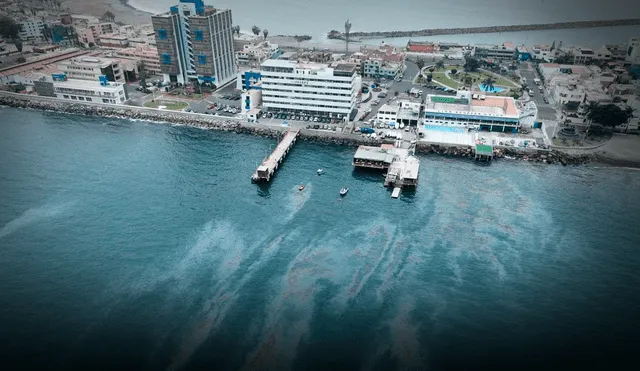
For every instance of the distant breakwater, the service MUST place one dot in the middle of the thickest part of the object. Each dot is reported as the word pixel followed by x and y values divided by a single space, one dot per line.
pixel 208 122
pixel 486 29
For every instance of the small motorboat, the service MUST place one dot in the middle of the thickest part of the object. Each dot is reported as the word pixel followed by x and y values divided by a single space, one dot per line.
pixel 320 171
pixel 344 191
pixel 301 187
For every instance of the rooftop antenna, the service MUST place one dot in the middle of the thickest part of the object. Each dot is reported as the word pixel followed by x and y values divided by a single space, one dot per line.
pixel 347 29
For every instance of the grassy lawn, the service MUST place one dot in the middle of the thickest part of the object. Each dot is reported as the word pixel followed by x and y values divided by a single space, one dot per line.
pixel 169 104
pixel 479 76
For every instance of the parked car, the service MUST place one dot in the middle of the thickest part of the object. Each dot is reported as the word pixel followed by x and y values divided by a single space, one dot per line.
pixel 382 95
pixel 545 100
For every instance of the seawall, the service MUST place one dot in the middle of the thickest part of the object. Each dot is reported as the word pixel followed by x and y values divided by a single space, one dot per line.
pixel 209 122
pixel 487 29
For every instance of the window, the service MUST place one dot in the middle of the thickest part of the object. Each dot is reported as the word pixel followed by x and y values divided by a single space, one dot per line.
pixel 162 34
pixel 105 101
pixel 166 58
pixel 81 98
pixel 74 97
pixel 198 35
pixel 202 59
pixel 65 96
pixel 88 99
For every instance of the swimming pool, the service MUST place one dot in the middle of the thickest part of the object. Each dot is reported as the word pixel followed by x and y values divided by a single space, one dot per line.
pixel 484 88
pixel 445 129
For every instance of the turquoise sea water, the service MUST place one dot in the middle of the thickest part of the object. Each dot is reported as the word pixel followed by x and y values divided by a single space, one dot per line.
pixel 137 246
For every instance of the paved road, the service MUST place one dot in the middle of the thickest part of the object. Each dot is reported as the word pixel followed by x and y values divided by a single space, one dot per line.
pixel 545 111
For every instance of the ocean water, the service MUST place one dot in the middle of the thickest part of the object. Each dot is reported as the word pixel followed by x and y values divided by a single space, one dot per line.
pixel 292 17
pixel 138 246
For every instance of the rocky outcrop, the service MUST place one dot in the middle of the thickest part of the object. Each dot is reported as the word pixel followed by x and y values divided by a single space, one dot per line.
pixel 489 29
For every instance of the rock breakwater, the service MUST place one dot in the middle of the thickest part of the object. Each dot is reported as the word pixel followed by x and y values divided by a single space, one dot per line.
pixel 233 125
pixel 488 29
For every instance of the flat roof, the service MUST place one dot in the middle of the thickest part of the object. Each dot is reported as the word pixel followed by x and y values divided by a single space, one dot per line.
pixel 490 106
pixel 374 154
pixel 86 84
pixel 411 168
pixel 346 67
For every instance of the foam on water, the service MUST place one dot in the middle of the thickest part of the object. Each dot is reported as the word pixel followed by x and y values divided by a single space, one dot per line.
pixel 35 215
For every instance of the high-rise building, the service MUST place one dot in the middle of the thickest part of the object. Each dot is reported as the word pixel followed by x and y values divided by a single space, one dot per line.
pixel 195 41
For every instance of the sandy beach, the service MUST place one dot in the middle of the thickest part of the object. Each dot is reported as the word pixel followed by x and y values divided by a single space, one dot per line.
pixel 123 12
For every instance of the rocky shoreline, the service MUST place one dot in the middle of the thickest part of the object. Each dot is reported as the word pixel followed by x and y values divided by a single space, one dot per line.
pixel 231 125
pixel 489 29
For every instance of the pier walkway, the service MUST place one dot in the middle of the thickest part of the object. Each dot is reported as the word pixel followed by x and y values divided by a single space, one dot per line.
pixel 269 165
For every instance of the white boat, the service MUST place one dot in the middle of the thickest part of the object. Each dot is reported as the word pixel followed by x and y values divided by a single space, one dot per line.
pixel 320 171
pixel 344 191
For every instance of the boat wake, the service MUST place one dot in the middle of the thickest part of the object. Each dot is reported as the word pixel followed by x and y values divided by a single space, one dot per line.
pixel 34 215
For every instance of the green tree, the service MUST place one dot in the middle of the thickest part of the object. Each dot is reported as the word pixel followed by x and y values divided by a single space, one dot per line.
pixel 471 64
pixel 608 115
pixel 454 71
pixel 265 33
pixel 236 30
pixel 429 77
pixel 440 64
pixel 564 59
pixel 255 30
pixel 9 29
pixel 420 62
pixel 108 16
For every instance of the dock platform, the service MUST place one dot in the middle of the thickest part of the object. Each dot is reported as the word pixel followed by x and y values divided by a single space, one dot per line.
pixel 396 192
pixel 270 164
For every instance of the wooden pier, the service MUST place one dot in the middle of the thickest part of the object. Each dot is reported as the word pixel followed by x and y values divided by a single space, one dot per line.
pixel 270 164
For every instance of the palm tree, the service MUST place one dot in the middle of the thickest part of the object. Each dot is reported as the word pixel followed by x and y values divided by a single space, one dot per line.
pixel 255 30
pixel 629 113
pixel 591 111
pixel 420 63
pixel 488 84
pixel 236 30
pixel 265 33
pixel 440 64
pixel 299 39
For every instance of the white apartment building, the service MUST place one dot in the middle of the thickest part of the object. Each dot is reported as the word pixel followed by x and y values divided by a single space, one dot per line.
pixel 376 67
pixel 90 91
pixel 309 88
pixel 633 50
pixel 90 68
pixel 388 113
pixel 31 29
pixel 506 51
pixel 543 52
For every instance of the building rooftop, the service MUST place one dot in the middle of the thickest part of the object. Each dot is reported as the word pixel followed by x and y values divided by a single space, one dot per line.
pixel 374 154
pixel 85 84
pixel 490 106
pixel 345 67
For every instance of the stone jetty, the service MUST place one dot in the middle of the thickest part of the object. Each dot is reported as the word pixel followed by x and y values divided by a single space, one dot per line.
pixel 488 29
pixel 208 122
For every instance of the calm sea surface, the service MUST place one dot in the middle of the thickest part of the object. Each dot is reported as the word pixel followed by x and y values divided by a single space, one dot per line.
pixel 136 246
pixel 316 18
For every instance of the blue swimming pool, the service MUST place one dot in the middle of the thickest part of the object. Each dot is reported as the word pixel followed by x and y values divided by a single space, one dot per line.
pixel 445 129
pixel 495 89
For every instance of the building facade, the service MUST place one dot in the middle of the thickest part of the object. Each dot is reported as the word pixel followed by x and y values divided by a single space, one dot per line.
pixel 309 88
pixel 113 41
pixel 91 68
pixel 467 111
pixel 195 42
pixel 148 56
pixel 502 52
pixel 31 29
pixel 99 91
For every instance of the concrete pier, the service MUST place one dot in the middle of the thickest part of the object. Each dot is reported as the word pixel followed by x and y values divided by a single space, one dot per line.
pixel 269 165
